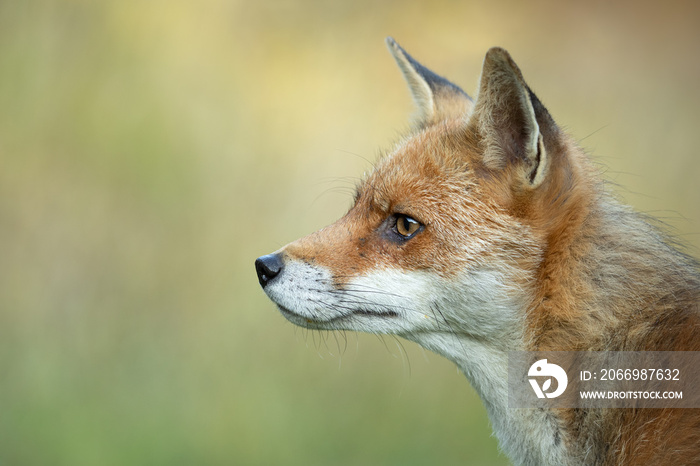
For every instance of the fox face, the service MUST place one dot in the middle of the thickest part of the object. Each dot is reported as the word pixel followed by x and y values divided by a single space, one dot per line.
pixel 419 234
pixel 438 239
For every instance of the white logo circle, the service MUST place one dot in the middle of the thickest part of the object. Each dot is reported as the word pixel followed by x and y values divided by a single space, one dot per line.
pixel 542 368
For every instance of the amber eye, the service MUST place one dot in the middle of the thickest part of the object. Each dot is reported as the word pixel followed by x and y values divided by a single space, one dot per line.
pixel 406 226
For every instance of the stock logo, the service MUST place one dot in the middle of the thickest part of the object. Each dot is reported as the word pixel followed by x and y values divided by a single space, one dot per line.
pixel 542 369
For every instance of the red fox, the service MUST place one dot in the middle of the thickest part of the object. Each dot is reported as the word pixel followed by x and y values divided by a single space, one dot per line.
pixel 487 230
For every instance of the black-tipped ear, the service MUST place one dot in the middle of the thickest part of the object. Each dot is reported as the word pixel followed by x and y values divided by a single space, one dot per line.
pixel 508 115
pixel 436 97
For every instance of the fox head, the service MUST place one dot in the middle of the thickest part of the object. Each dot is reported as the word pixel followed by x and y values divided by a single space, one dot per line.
pixel 449 232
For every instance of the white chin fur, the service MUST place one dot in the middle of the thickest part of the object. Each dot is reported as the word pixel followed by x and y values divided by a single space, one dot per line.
pixel 393 301
pixel 383 302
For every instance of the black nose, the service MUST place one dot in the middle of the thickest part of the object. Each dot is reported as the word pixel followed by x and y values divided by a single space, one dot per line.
pixel 268 267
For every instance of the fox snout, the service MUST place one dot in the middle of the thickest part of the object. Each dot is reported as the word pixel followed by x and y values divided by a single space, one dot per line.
pixel 268 267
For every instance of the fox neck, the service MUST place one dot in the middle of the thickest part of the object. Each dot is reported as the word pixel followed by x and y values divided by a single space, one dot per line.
pixel 532 436
pixel 482 328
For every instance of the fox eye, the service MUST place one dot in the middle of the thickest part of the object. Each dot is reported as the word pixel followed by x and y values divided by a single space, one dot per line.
pixel 406 226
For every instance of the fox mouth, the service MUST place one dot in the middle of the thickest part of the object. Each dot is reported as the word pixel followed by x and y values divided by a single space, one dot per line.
pixel 305 321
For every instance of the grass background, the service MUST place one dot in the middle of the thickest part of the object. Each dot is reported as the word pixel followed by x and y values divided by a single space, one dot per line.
pixel 151 150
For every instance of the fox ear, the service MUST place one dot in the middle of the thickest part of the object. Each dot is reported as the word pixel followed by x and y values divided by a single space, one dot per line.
pixel 509 118
pixel 436 97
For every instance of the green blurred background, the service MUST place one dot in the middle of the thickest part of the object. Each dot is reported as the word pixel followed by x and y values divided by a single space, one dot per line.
pixel 151 150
